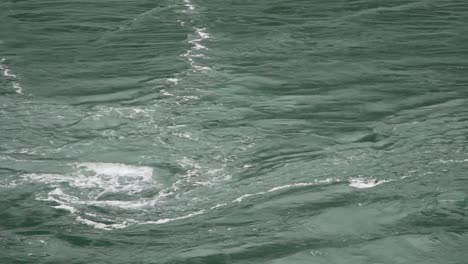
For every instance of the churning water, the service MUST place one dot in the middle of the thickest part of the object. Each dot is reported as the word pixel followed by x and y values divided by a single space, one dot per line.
pixel 201 131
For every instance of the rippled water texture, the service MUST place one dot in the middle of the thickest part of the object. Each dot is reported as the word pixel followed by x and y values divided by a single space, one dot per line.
pixel 202 131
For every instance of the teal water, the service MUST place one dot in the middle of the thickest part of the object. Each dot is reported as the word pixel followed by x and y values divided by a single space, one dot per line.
pixel 201 131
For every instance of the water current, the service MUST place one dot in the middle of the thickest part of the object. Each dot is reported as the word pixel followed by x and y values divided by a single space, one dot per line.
pixel 202 131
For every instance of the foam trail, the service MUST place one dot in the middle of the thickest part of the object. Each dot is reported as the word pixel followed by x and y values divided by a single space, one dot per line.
pixel 360 183
pixel 451 161
pixel 193 52
pixel 287 186
pixel 13 78
pixel 167 220
pixel 196 40
pixel 103 226
pixel 218 206
pixel 199 35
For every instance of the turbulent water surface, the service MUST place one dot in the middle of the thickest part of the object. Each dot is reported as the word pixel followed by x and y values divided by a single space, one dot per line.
pixel 203 131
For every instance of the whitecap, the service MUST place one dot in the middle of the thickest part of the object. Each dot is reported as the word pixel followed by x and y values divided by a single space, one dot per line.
pixel 362 183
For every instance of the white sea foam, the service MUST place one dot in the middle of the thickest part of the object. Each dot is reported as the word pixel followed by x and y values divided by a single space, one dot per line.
pixel 63 200
pixel 189 5
pixel 104 226
pixel 138 204
pixel 197 46
pixel 100 112
pixel 11 77
pixel 8 185
pixel 241 198
pixel 172 80
pixel 7 73
pixel 287 186
pixel 302 184
pixel 204 183
pixel 91 181
pixel 198 37
pixel 201 68
pixel 101 178
pixel 117 169
pixel 362 183
pixel 166 93
pixel 353 182
pixel 218 206
pixel 186 135
pixel 167 220
pixel 202 33
pixel 182 23
pixel 451 161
